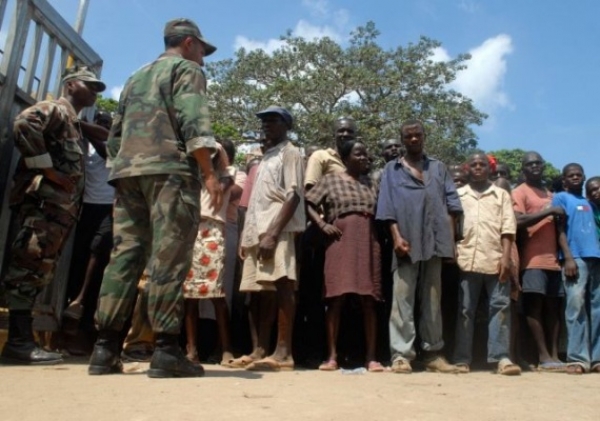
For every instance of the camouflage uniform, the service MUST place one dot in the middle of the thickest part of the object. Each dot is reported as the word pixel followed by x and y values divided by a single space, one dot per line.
pixel 47 135
pixel 162 118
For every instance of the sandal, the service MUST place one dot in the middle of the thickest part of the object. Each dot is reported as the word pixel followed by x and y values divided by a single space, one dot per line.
pixel 73 311
pixel 271 364
pixel 507 368
pixel 241 362
pixel 552 367
pixel 375 367
pixel 595 368
pixel 192 354
pixel 401 366
pixel 462 368
pixel 574 369
pixel 329 365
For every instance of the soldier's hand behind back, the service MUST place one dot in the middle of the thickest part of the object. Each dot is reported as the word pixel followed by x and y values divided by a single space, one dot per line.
pixel 62 180
pixel 216 193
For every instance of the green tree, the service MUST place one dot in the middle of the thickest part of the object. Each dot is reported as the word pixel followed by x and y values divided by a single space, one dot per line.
pixel 225 131
pixel 106 104
pixel 320 81
pixel 513 158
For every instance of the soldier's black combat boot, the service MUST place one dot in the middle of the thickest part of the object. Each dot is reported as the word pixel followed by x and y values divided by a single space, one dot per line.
pixel 105 357
pixel 20 348
pixel 168 360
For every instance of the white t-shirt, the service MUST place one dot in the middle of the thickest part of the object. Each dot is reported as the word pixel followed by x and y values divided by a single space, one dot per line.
pixel 97 190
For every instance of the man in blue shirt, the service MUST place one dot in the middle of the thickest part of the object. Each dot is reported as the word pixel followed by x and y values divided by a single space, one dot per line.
pixel 580 259
pixel 418 201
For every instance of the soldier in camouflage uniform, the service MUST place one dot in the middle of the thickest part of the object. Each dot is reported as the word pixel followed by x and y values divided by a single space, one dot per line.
pixel 45 198
pixel 160 135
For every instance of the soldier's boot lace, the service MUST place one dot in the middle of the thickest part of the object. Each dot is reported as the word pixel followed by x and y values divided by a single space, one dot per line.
pixel 169 360
pixel 20 347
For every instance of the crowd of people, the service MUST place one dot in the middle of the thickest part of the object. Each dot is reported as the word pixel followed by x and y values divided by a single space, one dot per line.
pixel 169 230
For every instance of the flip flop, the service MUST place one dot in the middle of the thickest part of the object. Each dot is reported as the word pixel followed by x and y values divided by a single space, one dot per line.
pixel 552 367
pixel 329 365
pixel 595 368
pixel 375 367
pixel 507 368
pixel 241 362
pixel 73 311
pixel 574 369
pixel 270 364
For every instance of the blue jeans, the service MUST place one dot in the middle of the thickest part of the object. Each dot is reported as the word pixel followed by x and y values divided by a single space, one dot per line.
pixel 426 276
pixel 583 330
pixel 498 318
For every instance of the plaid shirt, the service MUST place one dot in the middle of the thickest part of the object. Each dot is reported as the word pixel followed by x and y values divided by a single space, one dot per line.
pixel 339 196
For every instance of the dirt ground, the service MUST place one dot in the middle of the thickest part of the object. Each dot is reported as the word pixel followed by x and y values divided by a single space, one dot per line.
pixel 66 392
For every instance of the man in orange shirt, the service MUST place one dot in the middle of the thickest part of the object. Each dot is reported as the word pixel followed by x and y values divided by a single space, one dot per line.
pixel 541 277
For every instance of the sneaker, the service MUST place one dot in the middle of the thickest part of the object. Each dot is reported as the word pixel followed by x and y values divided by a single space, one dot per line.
pixel 439 365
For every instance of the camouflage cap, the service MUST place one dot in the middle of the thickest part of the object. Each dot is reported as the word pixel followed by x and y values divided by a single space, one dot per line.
pixel 85 75
pixel 182 26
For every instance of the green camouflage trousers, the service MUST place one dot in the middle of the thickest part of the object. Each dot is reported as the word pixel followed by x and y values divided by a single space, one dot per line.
pixel 42 229
pixel 155 225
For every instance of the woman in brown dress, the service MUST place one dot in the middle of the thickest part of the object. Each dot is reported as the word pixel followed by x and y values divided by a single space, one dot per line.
pixel 352 257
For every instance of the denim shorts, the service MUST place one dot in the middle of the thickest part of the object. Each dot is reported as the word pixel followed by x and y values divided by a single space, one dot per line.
pixel 541 281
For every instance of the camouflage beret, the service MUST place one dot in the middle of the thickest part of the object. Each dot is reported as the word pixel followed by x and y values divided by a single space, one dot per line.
pixel 182 26
pixel 85 75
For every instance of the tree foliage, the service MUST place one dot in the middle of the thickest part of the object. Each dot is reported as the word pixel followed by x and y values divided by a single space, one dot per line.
pixel 320 81
pixel 106 104
pixel 513 158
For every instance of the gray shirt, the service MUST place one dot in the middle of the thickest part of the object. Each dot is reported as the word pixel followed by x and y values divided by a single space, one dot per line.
pixel 420 208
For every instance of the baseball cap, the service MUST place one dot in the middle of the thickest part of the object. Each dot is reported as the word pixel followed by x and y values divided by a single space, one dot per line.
pixel 85 75
pixel 183 26
pixel 273 109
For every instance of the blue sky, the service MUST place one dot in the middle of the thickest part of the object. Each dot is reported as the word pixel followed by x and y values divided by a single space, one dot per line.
pixel 534 68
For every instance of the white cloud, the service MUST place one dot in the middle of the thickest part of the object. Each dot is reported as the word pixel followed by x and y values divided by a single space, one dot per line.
pixel 341 18
pixel 440 54
pixel 483 79
pixel 351 97
pixel 303 29
pixel 115 92
pixel 249 44
pixel 318 8
pixel 334 25
pixel 311 32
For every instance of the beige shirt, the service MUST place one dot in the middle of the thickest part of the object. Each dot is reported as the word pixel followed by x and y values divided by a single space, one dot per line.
pixel 280 174
pixel 487 216
pixel 321 163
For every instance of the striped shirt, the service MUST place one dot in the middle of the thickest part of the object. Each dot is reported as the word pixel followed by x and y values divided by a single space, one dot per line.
pixel 340 195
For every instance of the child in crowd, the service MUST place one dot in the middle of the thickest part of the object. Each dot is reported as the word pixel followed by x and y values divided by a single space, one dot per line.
pixel 205 279
pixel 580 258
pixel 484 259
pixel 592 191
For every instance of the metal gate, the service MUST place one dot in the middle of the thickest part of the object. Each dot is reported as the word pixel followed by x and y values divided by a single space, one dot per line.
pixel 36 44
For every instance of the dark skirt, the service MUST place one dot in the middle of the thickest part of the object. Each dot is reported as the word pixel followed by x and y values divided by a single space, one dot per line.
pixel 353 263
